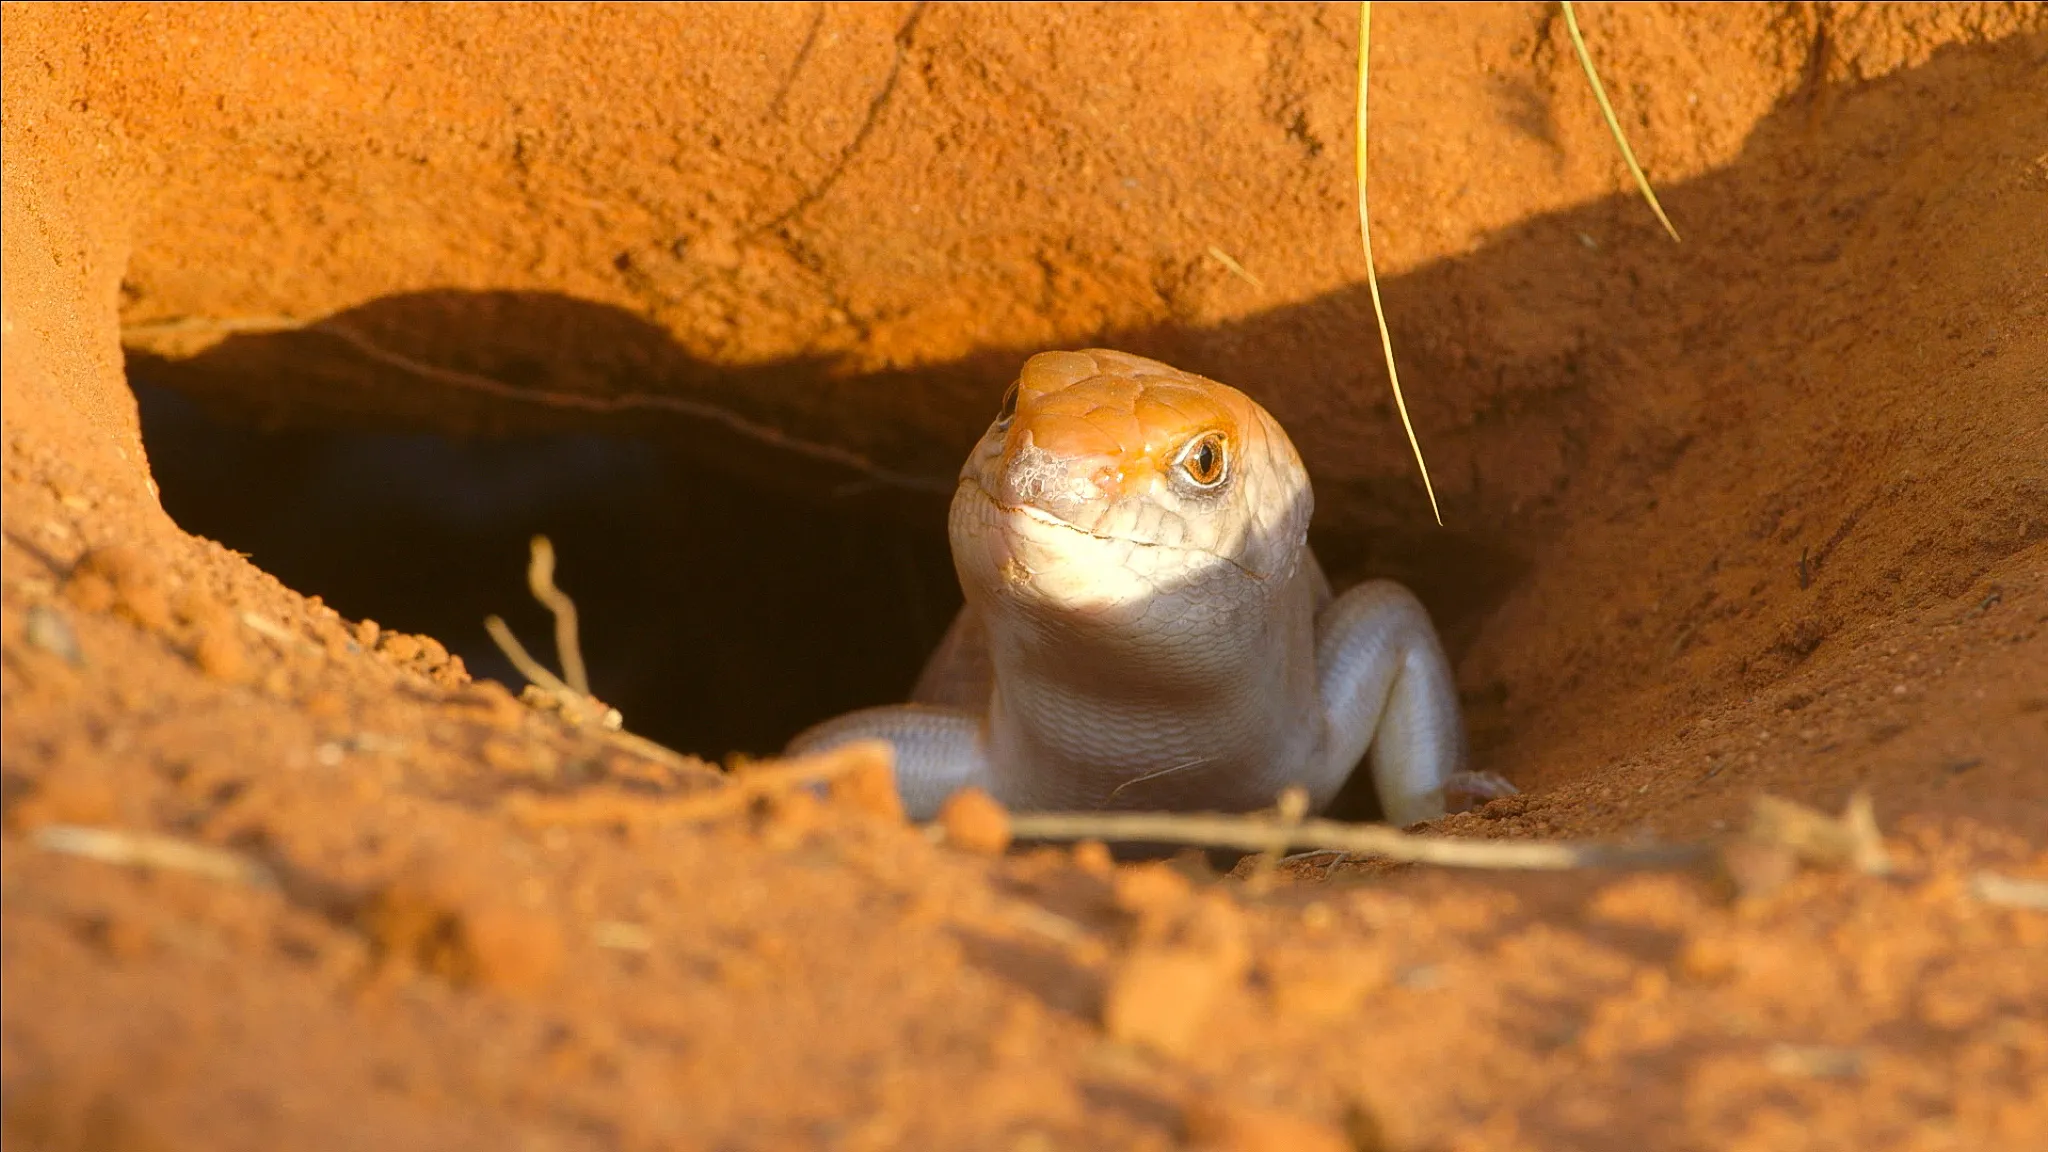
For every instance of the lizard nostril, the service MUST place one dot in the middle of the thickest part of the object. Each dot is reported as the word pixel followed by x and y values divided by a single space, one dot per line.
pixel 1065 487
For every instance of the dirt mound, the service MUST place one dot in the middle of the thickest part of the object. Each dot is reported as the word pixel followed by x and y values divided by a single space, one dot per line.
pixel 718 299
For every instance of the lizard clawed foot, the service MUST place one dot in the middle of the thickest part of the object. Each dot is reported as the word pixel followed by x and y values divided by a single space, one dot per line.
pixel 1464 791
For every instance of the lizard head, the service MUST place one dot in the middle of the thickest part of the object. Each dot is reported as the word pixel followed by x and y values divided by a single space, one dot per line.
pixel 1108 479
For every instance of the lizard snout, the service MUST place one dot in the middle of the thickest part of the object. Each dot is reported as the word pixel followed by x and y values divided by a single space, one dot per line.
pixel 1075 489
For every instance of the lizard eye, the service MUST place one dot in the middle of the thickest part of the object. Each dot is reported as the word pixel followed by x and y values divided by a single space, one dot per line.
pixel 1008 411
pixel 1206 459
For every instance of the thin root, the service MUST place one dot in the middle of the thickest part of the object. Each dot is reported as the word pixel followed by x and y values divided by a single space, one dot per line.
pixel 1814 837
pixel 540 578
pixel 1266 834
pixel 1811 837
pixel 1236 269
pixel 1288 815
pixel 575 703
pixel 2010 891
pixel 147 850
pixel 874 474
pixel 533 670
pixel 598 808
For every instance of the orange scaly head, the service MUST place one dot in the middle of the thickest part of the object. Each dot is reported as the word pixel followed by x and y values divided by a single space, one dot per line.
pixel 1174 472
pixel 1128 432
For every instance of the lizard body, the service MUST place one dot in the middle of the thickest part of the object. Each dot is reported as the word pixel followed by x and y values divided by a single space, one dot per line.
pixel 1146 626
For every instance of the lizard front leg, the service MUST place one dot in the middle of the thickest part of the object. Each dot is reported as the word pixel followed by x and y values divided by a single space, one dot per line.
pixel 938 750
pixel 1386 687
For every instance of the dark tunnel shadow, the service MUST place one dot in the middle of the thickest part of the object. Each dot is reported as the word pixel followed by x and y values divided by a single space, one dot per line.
pixel 719 614
pixel 394 458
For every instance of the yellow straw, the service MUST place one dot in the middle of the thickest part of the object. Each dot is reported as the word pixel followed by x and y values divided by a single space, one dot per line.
pixel 1372 281
pixel 1571 24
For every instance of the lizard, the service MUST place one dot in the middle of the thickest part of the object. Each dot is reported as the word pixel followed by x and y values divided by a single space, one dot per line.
pixel 1147 627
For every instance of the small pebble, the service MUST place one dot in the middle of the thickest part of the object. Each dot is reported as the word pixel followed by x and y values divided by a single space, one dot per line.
pixel 220 652
pixel 456 927
pixel 869 785
pixel 46 628
pixel 401 647
pixel 1151 888
pixel 1093 857
pixel 975 822
pixel 117 577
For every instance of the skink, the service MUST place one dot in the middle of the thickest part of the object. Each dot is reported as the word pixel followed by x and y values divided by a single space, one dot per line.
pixel 1146 626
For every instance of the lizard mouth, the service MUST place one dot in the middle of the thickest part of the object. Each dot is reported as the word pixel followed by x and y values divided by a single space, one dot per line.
pixel 1039 515
pixel 1028 513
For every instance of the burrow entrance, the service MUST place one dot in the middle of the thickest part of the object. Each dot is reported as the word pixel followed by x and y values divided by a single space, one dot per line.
pixel 721 612
pixel 718 616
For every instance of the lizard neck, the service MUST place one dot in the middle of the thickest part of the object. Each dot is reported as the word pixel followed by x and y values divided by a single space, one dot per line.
pixel 1209 702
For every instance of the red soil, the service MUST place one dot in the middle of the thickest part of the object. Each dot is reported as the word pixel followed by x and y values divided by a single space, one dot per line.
pixel 1765 511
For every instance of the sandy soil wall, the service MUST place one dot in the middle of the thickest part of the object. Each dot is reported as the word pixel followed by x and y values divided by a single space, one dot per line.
pixel 1761 511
